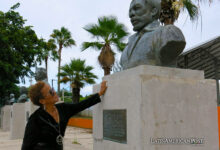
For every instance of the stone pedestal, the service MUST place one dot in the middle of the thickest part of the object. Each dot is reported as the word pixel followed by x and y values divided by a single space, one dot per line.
pixel 156 108
pixel 17 121
pixel 29 109
pixel 5 117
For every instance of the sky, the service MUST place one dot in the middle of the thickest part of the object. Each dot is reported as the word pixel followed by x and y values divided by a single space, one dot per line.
pixel 47 15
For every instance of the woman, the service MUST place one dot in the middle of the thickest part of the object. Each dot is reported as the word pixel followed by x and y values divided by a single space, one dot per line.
pixel 46 126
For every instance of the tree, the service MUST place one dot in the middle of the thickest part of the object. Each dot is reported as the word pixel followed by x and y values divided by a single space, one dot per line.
pixel 108 32
pixel 18 45
pixel 78 74
pixel 48 52
pixel 64 39
pixel 170 10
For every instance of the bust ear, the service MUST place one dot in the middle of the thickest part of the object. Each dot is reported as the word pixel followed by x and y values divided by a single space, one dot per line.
pixel 154 12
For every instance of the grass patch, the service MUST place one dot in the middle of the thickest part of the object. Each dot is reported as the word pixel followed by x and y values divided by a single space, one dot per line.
pixel 76 142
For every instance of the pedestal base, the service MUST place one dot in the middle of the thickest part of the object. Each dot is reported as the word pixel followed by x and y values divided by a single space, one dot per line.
pixel 156 108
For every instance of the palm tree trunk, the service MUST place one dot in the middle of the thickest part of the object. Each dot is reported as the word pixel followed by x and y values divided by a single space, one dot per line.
pixel 107 70
pixel 75 95
pixel 106 59
pixel 59 62
pixel 46 66
pixel 168 21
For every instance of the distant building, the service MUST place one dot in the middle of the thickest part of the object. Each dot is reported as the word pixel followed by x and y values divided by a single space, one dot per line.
pixel 203 57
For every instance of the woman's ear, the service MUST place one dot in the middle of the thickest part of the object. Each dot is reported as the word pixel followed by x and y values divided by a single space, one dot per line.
pixel 42 101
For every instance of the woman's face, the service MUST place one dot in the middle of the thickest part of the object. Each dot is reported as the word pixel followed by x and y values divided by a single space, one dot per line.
pixel 50 96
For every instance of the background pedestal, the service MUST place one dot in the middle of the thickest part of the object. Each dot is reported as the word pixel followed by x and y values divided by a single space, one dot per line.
pixel 5 116
pixel 29 109
pixel 160 103
pixel 17 121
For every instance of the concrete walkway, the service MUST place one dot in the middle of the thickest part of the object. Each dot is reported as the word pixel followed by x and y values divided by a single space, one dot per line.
pixel 75 139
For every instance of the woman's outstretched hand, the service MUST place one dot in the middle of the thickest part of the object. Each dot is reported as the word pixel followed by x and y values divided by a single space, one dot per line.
pixel 103 88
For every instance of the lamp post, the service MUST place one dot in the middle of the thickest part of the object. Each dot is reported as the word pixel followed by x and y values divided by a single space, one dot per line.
pixel 63 94
pixel 52 81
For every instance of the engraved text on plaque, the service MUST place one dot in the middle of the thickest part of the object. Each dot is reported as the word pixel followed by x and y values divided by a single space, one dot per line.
pixel 115 125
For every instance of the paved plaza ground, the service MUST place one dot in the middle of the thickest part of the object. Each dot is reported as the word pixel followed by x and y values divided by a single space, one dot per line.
pixel 75 139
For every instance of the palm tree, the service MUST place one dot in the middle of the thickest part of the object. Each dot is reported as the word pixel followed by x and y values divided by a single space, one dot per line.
pixel 64 39
pixel 48 50
pixel 108 32
pixel 78 74
pixel 170 10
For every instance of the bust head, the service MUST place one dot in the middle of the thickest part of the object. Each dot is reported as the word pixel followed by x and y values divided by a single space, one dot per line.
pixel 143 12
pixel 12 99
pixel 12 96
pixel 23 95
pixel 41 74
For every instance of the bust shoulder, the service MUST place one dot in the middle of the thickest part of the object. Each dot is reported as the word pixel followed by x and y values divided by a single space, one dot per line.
pixel 170 32
pixel 171 44
pixel 132 37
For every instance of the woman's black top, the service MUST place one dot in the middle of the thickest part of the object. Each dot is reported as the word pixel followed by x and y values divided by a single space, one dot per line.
pixel 42 130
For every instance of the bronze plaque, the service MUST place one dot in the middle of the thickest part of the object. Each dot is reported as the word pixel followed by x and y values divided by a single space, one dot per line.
pixel 115 125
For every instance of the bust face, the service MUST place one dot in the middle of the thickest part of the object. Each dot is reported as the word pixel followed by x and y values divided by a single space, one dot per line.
pixel 140 14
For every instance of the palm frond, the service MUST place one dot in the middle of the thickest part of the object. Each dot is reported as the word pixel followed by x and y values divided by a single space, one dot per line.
pixel 120 45
pixel 191 9
pixel 56 35
pixel 106 28
pixel 78 73
pixel 88 69
pixel 67 69
pixel 107 24
pixel 47 50
pixel 95 45
pixel 51 44
pixel 63 74
pixel 65 80
pixel 69 43
pixel 54 55
pixel 63 37
pixel 15 6
pixel 121 31
pixel 90 81
pixel 95 30
pixel 77 65
pixel 170 10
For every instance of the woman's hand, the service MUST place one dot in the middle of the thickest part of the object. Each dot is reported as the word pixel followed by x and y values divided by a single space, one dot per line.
pixel 103 88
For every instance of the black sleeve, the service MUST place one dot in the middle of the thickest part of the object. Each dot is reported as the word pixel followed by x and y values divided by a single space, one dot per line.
pixel 71 109
pixel 30 135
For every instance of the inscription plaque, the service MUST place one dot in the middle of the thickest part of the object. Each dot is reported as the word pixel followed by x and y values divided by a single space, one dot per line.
pixel 115 125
